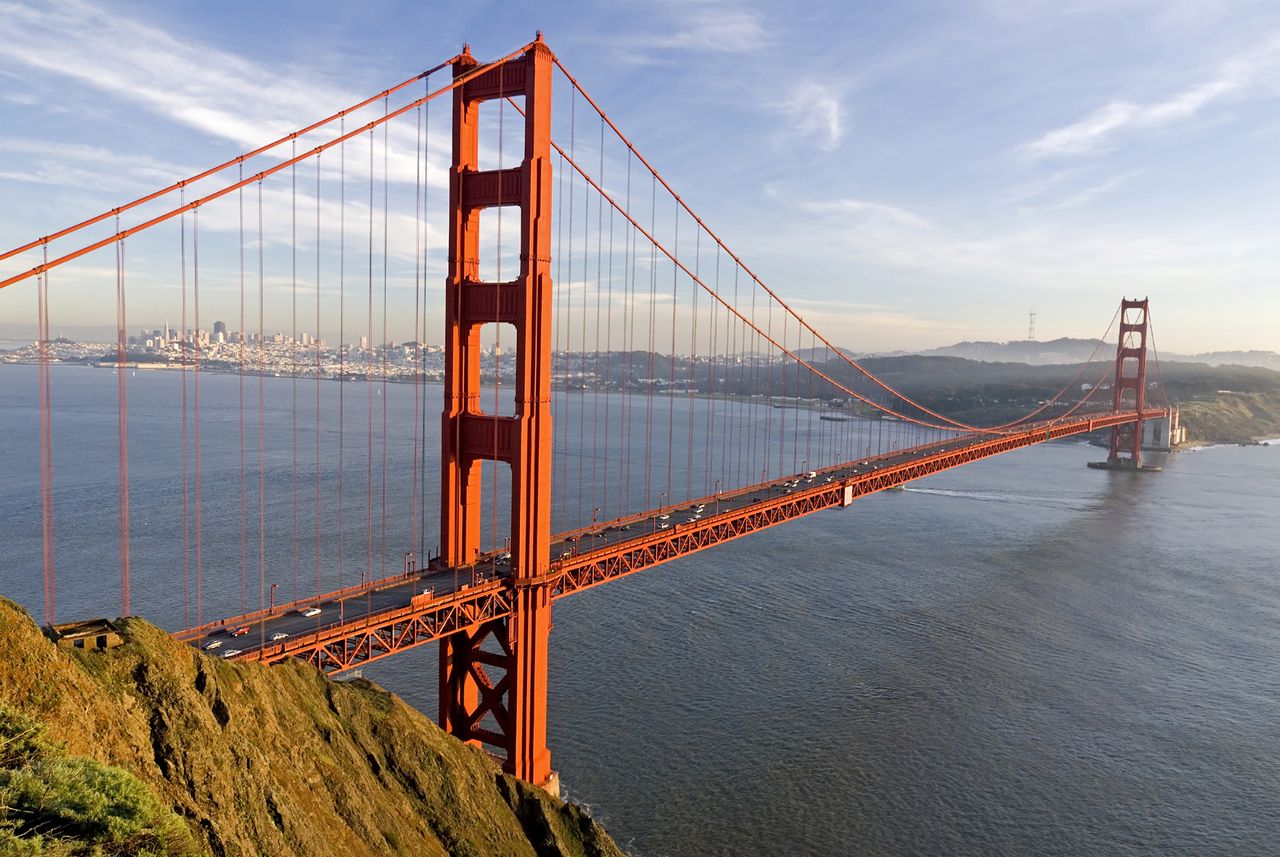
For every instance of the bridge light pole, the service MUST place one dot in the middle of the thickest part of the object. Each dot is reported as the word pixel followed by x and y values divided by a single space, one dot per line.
pixel 717 496
pixel 273 598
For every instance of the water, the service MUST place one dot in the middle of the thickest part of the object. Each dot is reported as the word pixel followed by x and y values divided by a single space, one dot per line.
pixel 1022 656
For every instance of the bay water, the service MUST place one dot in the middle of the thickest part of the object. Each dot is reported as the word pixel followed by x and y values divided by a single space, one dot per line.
pixel 1020 656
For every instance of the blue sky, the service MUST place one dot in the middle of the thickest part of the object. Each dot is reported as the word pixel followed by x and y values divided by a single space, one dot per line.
pixel 911 174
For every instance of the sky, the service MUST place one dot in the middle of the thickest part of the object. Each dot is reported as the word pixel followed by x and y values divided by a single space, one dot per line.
pixel 907 174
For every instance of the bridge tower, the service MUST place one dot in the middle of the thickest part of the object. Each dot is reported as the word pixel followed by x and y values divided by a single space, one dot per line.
pixel 1130 383
pixel 507 712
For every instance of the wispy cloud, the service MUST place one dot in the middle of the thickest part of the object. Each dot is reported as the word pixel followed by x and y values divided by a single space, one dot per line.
pixel 715 27
pixel 855 323
pixel 856 213
pixel 217 93
pixel 816 110
pixel 1235 79
pixel 1040 251
pixel 1090 193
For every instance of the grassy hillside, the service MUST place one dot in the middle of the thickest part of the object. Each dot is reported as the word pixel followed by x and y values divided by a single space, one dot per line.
pixel 239 759
pixel 1232 417
pixel 1219 404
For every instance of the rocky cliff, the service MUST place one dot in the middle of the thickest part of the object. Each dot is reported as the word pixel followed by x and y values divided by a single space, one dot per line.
pixel 250 760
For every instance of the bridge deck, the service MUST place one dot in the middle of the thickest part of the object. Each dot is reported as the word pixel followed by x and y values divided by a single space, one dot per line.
pixel 388 616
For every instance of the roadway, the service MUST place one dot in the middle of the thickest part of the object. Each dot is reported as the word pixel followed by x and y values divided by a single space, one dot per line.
pixel 353 605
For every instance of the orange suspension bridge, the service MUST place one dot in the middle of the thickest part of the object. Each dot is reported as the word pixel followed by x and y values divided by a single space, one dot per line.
pixel 691 404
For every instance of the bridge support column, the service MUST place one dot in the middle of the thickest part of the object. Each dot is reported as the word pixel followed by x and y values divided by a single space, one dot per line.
pixel 1130 384
pixel 508 713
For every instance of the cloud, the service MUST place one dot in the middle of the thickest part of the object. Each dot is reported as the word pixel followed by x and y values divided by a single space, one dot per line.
pixel 58 163
pixel 861 213
pixel 1236 79
pixel 1030 251
pixel 1091 193
pixel 711 26
pixel 230 97
pixel 835 319
pixel 815 110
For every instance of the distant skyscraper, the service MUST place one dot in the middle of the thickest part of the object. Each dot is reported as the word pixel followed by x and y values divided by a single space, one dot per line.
pixel 364 343
pixel 219 327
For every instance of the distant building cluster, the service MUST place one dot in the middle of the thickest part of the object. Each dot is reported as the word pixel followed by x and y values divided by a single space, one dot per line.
pixel 223 349
pixel 162 338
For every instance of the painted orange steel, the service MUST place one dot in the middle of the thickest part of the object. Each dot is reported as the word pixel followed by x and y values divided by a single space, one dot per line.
pixel 510 713
pixel 276 611
pixel 1130 381
pixel 257 177
pixel 954 424
pixel 640 229
pixel 427 618
pixel 595 567
pixel 239 159
pixel 345 645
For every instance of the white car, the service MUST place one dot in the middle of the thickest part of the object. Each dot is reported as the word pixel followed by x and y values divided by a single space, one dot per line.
pixel 310 611
pixel 278 635
pixel 230 653
pixel 212 644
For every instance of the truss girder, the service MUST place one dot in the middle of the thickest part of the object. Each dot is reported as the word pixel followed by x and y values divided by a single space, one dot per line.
pixel 359 641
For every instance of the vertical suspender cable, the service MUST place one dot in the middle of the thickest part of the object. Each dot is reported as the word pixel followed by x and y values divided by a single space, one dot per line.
pixel 342 353
pixel 368 384
pixel 671 379
pixel 293 370
pixel 713 388
pixel 122 407
pixel 595 394
pixel 582 346
pixel 422 355
pixel 243 335
pixel 414 533
pixel 186 576
pixel 622 507
pixel 628 343
pixel 558 298
pixel 262 416
pixel 182 362
pixel 649 382
pixel 46 442
pixel 319 372
pixel 196 355
pixel 693 365
pixel 562 300
pixel 386 213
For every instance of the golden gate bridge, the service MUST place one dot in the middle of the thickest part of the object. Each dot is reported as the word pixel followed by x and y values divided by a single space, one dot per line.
pixel 691 404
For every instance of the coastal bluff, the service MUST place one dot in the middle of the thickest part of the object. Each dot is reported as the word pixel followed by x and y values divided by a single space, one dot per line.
pixel 229 759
